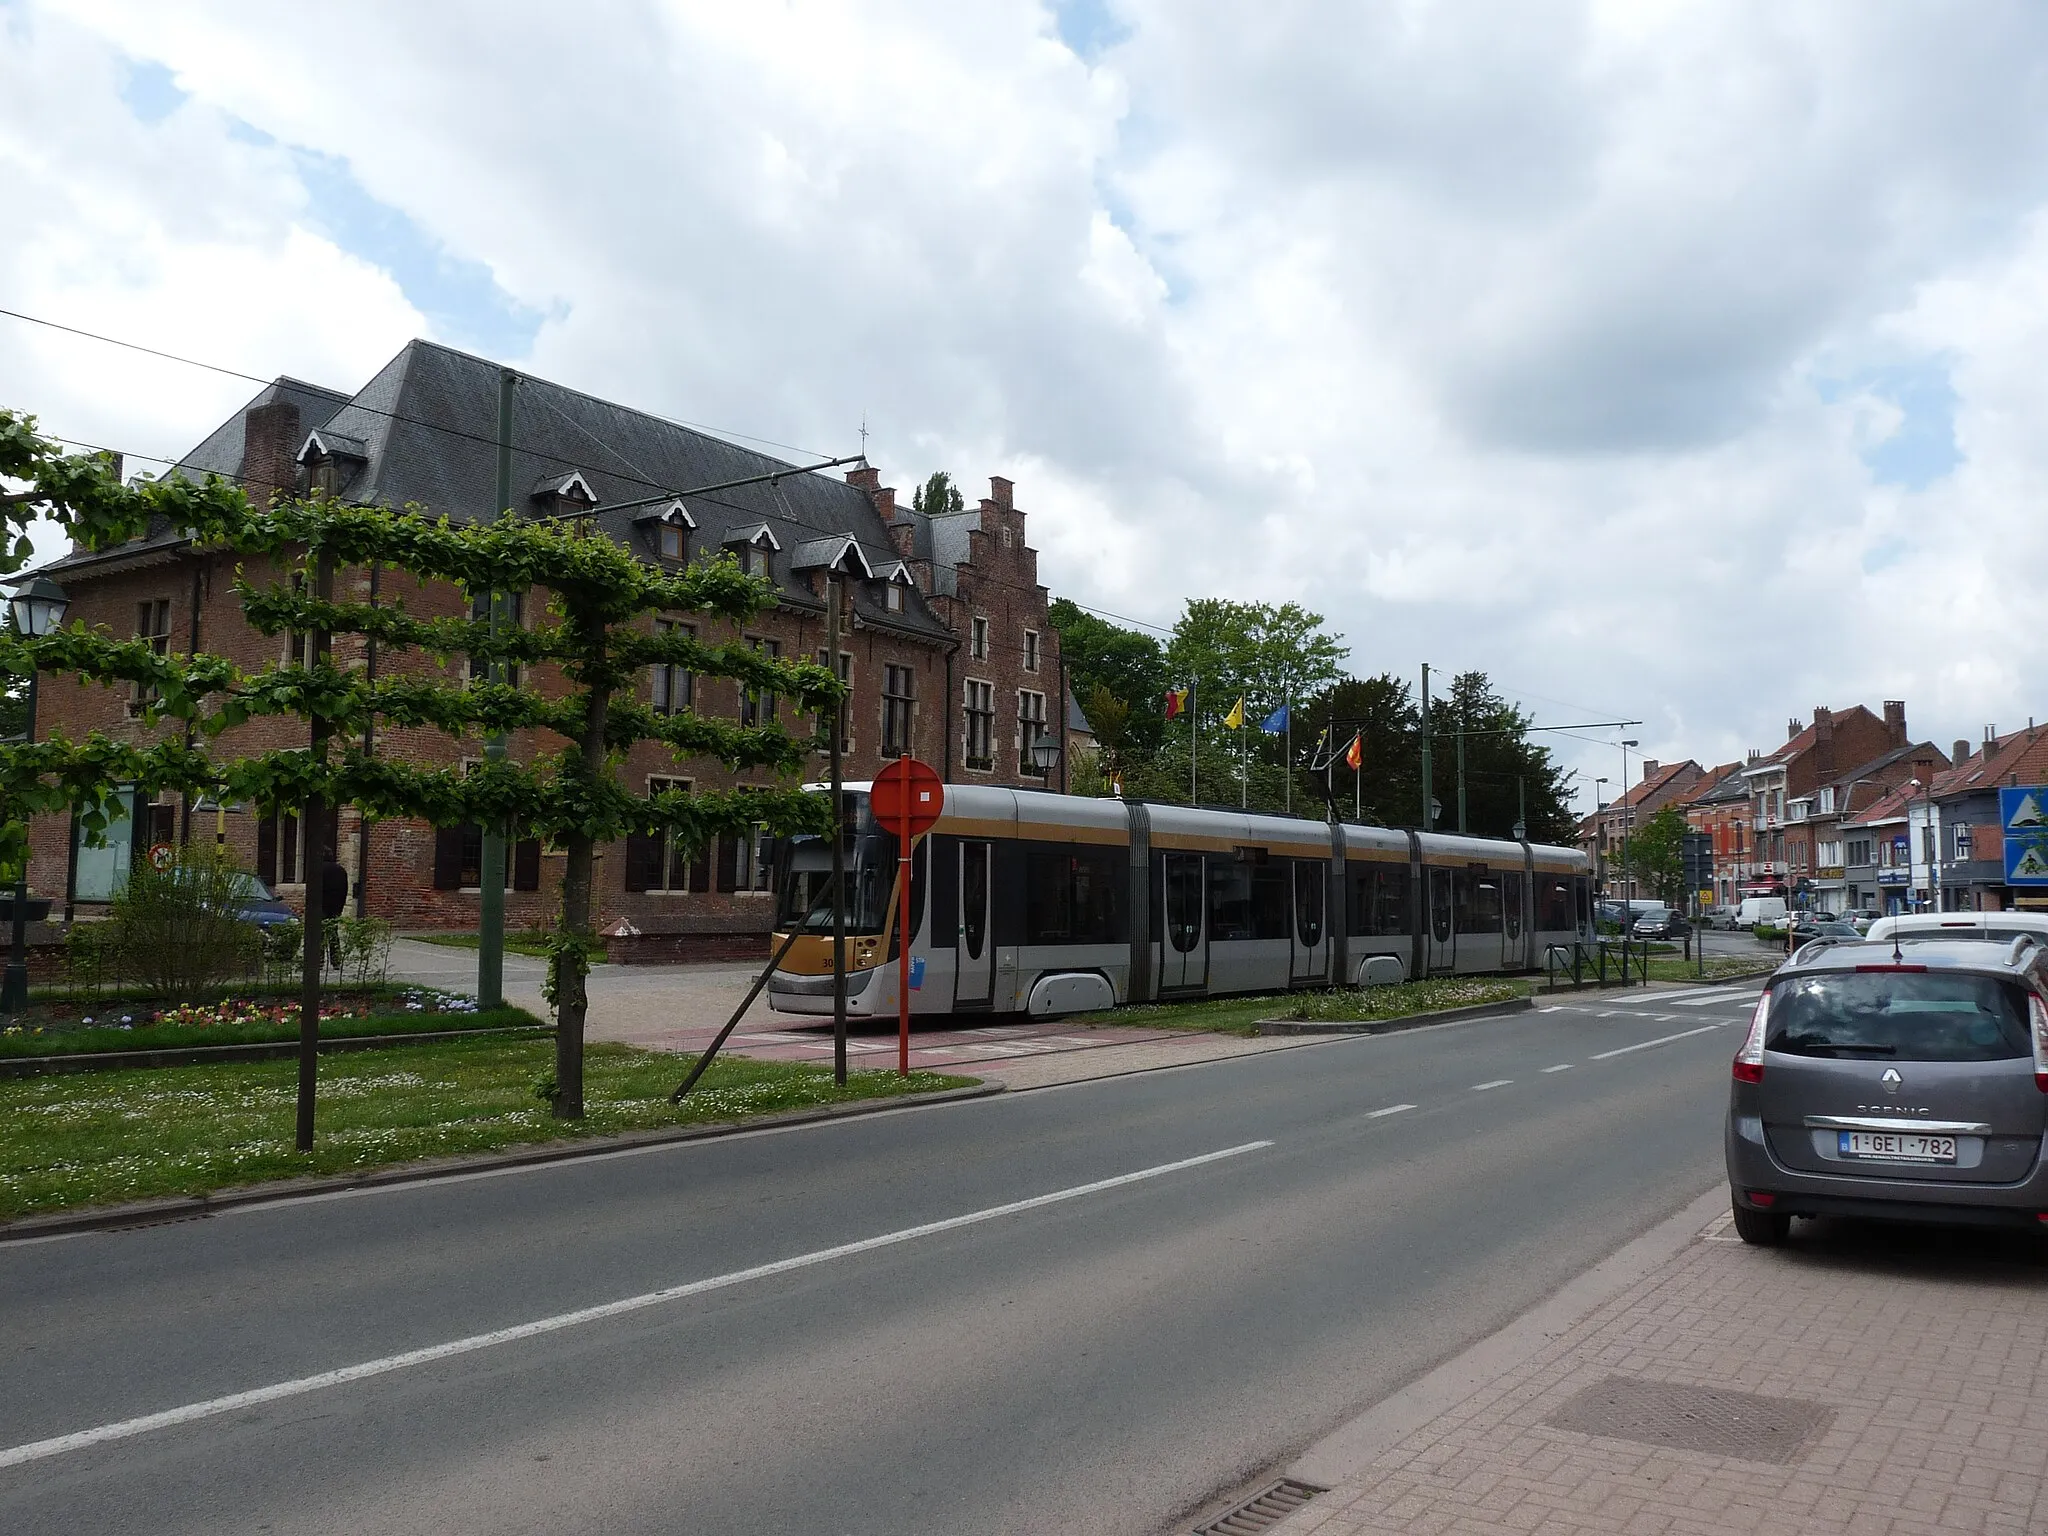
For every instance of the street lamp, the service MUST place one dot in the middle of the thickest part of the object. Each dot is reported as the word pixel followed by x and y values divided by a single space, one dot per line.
pixel 1045 752
pixel 36 609
pixel 1628 815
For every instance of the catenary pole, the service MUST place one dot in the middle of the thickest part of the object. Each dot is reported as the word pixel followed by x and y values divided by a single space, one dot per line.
pixel 1428 821
pixel 490 944
pixel 1461 771
pixel 832 600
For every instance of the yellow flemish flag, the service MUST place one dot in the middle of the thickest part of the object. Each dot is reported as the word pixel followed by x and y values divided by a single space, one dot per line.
pixel 1235 719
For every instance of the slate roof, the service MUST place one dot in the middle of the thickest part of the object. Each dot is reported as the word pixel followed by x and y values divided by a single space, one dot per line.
pixel 1720 785
pixel 427 423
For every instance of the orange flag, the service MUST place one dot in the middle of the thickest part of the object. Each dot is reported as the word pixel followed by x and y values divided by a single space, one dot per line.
pixel 1354 755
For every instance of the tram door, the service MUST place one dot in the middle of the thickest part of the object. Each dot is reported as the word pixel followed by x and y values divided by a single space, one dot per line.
pixel 1311 937
pixel 1183 950
pixel 974 970
pixel 1443 941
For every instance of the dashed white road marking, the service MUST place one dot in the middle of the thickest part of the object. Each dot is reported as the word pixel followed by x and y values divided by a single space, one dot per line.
pixel 1562 1066
pixel 1498 1082
pixel 58 1445
pixel 1644 1045
pixel 1391 1109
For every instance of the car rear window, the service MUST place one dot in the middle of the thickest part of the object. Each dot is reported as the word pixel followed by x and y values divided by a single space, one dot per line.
pixel 1903 1015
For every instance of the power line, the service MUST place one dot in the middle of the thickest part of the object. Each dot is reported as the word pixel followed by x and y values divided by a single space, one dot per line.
pixel 632 478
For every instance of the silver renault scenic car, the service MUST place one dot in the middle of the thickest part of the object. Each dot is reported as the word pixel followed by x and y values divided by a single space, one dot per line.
pixel 1903 1082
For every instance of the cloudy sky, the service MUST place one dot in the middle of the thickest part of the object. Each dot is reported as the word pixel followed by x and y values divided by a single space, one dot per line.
pixel 1668 360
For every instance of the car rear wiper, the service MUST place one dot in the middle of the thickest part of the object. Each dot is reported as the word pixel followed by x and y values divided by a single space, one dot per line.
pixel 1839 1046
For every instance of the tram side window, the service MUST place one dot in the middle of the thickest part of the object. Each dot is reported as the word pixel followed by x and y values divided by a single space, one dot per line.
pixel 1230 900
pixel 1270 899
pixel 1553 903
pixel 1477 894
pixel 1378 901
pixel 1072 896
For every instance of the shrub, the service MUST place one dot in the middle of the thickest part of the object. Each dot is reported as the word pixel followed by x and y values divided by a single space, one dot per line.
pixel 365 948
pixel 284 948
pixel 177 930
pixel 89 958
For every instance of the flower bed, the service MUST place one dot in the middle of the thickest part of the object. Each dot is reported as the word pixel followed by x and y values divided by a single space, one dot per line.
pixel 57 1029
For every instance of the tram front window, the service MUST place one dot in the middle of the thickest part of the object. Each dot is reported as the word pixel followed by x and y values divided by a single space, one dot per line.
pixel 805 902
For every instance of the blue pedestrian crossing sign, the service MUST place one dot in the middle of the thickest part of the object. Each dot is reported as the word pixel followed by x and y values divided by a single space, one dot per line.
pixel 2023 817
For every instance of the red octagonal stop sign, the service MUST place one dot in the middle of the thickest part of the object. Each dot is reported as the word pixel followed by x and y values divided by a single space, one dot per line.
pixel 907 782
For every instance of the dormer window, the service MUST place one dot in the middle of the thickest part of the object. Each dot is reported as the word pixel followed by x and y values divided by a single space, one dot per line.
pixel 668 530
pixel 330 460
pixel 895 580
pixel 563 494
pixel 752 544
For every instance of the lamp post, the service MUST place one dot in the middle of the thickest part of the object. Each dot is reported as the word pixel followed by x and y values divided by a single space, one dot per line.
pixel 1045 751
pixel 36 609
pixel 1628 814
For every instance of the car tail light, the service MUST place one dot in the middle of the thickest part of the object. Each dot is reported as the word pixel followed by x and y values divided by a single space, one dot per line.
pixel 2038 1010
pixel 1749 1061
pixel 1762 1197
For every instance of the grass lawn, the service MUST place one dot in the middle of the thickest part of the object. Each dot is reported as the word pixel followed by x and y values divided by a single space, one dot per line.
pixel 104 1137
pixel 531 942
pixel 1241 1015
pixel 1717 965
pixel 51 1028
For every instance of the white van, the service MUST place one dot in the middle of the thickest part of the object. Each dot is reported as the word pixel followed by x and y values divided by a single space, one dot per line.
pixel 2000 927
pixel 1760 909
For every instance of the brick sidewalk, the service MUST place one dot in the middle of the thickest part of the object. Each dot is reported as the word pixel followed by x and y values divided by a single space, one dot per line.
pixel 1899 1386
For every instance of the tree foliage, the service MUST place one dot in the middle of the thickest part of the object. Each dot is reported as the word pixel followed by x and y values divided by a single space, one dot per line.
pixel 596 633
pixel 1106 662
pixel 938 496
pixel 1656 855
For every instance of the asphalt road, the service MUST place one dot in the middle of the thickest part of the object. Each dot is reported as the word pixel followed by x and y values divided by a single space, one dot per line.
pixel 1099 1362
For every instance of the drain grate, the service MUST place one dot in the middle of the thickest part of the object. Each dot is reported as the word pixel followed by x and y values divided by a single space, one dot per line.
pixel 1713 1420
pixel 1263 1510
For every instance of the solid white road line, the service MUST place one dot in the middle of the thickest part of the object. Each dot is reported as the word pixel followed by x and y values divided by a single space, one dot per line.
pixel 37 1450
pixel 1644 1045
pixel 1562 1066
pixel 1498 1082
pixel 1391 1109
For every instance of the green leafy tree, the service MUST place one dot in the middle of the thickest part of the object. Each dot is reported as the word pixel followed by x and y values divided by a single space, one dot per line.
pixel 938 496
pixel 1656 855
pixel 1264 653
pixel 598 633
pixel 1106 660
pixel 1505 767
pixel 13 708
pixel 1386 789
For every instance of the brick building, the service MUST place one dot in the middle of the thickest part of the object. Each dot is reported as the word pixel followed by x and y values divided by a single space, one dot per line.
pixel 1719 807
pixel 944 636
pixel 1782 787
pixel 1603 833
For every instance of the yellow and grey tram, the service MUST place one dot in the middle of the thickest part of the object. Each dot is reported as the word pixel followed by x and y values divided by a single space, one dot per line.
pixel 1026 902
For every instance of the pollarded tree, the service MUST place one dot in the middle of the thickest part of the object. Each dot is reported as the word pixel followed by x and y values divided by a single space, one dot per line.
pixel 598 633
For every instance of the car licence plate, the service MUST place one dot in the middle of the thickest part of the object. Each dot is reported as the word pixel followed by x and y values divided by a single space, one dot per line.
pixel 1896 1146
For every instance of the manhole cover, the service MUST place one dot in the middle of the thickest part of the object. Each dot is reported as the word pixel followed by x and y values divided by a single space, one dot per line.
pixel 1710 1419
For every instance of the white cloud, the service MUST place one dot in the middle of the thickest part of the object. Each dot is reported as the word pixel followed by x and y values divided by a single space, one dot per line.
pixel 1490 331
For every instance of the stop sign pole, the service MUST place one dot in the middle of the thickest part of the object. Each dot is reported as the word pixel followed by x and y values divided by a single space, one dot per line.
pixel 906 797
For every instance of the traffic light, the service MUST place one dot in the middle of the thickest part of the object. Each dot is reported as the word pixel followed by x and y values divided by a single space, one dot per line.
pixel 1696 859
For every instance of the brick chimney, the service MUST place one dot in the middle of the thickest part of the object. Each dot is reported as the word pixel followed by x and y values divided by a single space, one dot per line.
pixel 1962 751
pixel 1824 741
pixel 270 439
pixel 1002 492
pixel 1895 721
pixel 1649 768
pixel 1793 727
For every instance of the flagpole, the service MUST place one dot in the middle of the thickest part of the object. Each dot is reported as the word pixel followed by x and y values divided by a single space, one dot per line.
pixel 1193 717
pixel 1358 781
pixel 1244 762
pixel 1287 719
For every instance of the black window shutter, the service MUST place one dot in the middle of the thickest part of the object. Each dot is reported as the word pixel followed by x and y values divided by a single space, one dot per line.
pixel 700 870
pixel 526 864
pixel 643 861
pixel 266 850
pixel 447 858
pixel 728 863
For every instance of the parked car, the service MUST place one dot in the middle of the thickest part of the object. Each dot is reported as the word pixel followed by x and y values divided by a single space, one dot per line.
pixel 2001 927
pixel 1867 1087
pixel 1862 917
pixel 1833 931
pixel 1664 923
pixel 1721 917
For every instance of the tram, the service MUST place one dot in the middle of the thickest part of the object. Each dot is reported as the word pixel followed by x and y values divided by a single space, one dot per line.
pixel 1044 904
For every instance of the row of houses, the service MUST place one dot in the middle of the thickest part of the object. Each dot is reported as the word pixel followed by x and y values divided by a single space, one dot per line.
pixel 945 641
pixel 1849 814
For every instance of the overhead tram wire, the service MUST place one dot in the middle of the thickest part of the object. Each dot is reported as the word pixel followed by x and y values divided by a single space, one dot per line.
pixel 492 442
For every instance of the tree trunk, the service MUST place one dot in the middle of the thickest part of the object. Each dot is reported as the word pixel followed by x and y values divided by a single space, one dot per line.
pixel 572 996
